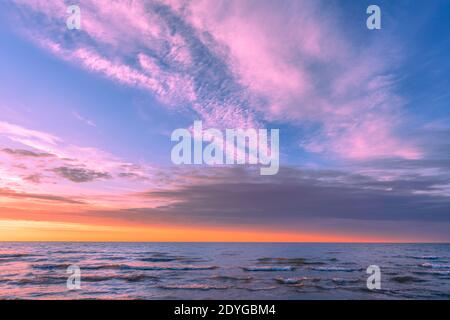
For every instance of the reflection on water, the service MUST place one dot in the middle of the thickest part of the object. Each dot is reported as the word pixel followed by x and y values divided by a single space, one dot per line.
pixel 223 271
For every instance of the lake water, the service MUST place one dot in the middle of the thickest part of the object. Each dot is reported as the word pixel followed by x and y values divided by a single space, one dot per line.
pixel 224 270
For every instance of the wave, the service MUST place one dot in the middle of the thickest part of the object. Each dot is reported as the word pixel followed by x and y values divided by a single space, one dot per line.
pixel 288 261
pixel 47 280
pixel 165 257
pixel 50 266
pixel 338 269
pixel 111 258
pixel 434 272
pixel 16 255
pixel 268 268
pixel 120 270
pixel 138 277
pixel 153 253
pixel 71 251
pixel 193 286
pixel 345 281
pixel 62 266
pixel 172 268
pixel 299 281
pixel 3 260
pixel 122 267
pixel 291 281
pixel 159 259
pixel 259 289
pixel 407 279
pixel 426 257
pixel 38 280
pixel 435 265
pixel 230 254
pixel 80 252
pixel 128 278
pixel 231 278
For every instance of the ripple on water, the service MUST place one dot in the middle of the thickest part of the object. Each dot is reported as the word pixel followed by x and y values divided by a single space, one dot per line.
pixel 268 268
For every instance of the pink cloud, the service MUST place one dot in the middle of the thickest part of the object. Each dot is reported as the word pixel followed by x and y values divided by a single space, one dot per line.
pixel 370 138
pixel 171 83
pixel 18 132
pixel 269 50
pixel 169 88
pixel 268 46
pixel 54 8
pixel 36 162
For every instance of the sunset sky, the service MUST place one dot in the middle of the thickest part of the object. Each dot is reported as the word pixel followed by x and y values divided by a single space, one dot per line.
pixel 86 118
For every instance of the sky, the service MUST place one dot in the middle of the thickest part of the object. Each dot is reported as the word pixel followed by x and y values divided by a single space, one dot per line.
pixel 86 118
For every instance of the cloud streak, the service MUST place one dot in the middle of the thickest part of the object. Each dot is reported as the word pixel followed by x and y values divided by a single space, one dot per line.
pixel 81 175
pixel 237 64
pixel 36 196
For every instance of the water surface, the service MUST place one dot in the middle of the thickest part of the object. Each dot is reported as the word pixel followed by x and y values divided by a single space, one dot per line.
pixel 223 270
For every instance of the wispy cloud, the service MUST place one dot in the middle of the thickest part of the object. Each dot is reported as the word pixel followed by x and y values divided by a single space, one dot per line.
pixel 33 196
pixel 27 153
pixel 18 132
pixel 85 120
pixel 66 170
pixel 80 174
pixel 237 64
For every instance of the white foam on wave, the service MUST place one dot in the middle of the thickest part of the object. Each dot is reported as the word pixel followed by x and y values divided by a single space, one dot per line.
pixel 426 257
pixel 435 265
pixel 290 280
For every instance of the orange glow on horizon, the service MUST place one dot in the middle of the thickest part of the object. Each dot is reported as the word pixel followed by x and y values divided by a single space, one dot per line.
pixel 26 230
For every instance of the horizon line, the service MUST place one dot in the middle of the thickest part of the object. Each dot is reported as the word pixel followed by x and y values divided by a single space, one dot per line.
pixel 249 242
